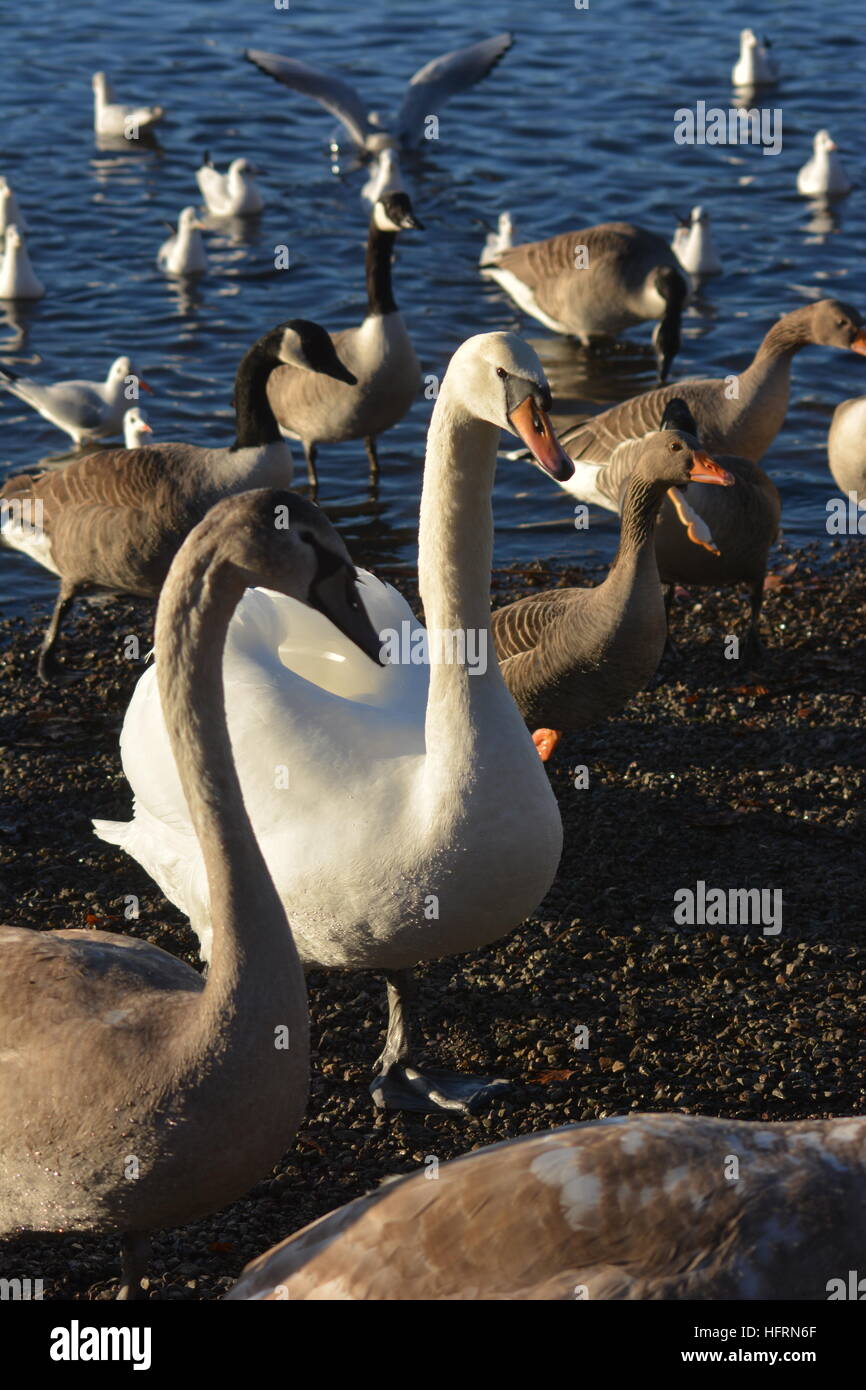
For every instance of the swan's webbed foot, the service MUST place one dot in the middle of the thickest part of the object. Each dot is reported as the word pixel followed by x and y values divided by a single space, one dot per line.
pixel 400 1086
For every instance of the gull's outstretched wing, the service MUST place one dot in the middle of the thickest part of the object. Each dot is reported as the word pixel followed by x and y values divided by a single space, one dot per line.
pixel 445 77
pixel 332 92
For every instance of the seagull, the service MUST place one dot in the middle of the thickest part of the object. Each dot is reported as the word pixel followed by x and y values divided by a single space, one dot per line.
pixel 183 252
pixel 115 121
pixel 82 409
pixel 135 427
pixel 18 279
pixel 693 244
pixel 755 67
pixel 823 175
pixel 233 194
pixel 10 212
pixel 429 89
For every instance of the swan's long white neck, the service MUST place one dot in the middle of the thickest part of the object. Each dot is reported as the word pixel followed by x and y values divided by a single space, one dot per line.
pixel 254 966
pixel 455 546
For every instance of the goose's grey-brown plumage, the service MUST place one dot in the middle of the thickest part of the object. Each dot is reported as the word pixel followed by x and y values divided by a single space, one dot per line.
pixel 596 282
pixel 378 351
pixel 571 657
pixel 846 446
pixel 675 1207
pixel 135 1096
pixel 738 415
pixel 115 519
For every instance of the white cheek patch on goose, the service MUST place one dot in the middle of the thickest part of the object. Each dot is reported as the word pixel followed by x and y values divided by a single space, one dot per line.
pixel 290 349
pixel 696 528
pixel 579 1193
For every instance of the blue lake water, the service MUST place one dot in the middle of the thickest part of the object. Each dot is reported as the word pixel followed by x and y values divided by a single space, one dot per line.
pixel 575 126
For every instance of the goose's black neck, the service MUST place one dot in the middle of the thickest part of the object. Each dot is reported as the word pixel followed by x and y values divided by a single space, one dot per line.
pixel 377 265
pixel 255 423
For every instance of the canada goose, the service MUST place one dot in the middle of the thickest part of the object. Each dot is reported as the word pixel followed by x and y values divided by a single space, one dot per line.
pixel 112 120
pixel 115 519
pixel 10 211
pixel 18 279
pixel 740 416
pixel 421 822
pixel 846 446
pixel 84 410
pixel 693 244
pixel 429 89
pixel 743 523
pixel 649 1207
pixel 572 657
pixel 755 67
pixel 233 194
pixel 379 352
pixel 183 252
pixel 596 282
pixel 135 427
pixel 823 175
pixel 134 1095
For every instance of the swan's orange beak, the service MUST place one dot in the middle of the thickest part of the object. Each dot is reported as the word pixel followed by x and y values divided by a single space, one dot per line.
pixel 706 470
pixel 532 424
pixel 859 343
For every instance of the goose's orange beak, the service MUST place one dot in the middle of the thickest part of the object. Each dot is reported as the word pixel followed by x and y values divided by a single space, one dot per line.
pixel 706 470
pixel 859 343
pixel 533 425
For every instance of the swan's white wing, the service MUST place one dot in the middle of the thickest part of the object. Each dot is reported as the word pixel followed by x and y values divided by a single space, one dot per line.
pixel 443 78
pixel 332 92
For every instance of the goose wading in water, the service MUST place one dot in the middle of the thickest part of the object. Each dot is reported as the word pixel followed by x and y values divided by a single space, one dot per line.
pixel 85 410
pixel 113 520
pixel 628 1207
pixel 429 89
pixel 846 447
pixel 596 282
pixel 571 657
pixel 378 351
pixel 403 810
pixel 738 415
pixel 112 1051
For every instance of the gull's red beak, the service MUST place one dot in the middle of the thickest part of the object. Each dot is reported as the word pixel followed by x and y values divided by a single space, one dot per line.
pixel 706 470
pixel 532 424
pixel 144 386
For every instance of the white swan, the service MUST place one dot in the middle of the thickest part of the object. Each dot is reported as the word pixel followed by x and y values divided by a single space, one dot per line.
pixel 755 67
pixel 824 174
pixel 18 279
pixel 694 247
pixel 183 252
pixel 404 811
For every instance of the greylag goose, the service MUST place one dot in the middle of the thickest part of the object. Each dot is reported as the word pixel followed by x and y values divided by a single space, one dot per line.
pixel 134 1095
pixel 743 523
pixel 429 89
pixel 846 446
pixel 678 1207
pixel 113 121
pixel 739 415
pixel 232 194
pixel 378 351
pixel 596 282
pixel 85 410
pixel 572 657
pixel 114 519
pixel 421 822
